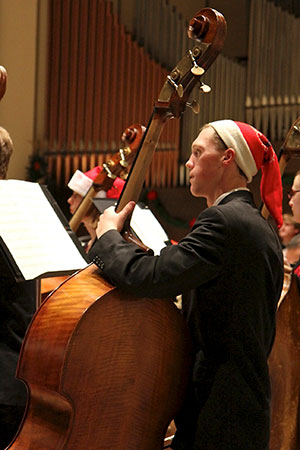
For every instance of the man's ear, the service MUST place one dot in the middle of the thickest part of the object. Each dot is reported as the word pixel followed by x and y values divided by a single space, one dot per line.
pixel 229 156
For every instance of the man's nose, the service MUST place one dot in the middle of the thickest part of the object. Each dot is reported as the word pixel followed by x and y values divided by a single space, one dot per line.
pixel 189 164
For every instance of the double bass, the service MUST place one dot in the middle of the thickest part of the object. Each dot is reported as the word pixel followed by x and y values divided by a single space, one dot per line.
pixel 116 166
pixel 105 370
pixel 284 360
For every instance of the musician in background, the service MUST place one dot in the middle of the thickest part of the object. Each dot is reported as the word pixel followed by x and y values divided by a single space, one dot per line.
pixel 6 147
pixel 17 305
pixel 80 183
pixel 294 197
pixel 294 202
pixel 290 228
pixel 292 250
pixel 229 269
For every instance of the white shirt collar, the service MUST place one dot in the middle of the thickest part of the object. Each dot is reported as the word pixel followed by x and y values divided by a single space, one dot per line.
pixel 220 198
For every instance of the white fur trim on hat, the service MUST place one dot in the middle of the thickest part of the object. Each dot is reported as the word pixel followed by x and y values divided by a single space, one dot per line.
pixel 80 183
pixel 232 136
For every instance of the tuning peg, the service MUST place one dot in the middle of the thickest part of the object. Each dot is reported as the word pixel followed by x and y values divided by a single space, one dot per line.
pixel 178 87
pixel 196 70
pixel 205 88
pixel 296 128
pixel 179 90
pixel 122 152
pixel 194 105
pixel 108 171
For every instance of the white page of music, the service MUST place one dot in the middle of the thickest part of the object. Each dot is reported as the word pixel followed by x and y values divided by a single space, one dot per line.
pixel 148 229
pixel 33 233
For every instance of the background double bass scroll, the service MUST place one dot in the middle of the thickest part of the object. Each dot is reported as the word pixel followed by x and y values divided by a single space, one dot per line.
pixel 116 166
pixel 3 80
pixel 106 370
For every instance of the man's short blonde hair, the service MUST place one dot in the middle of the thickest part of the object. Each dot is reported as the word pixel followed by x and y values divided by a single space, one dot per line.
pixel 6 149
pixel 289 219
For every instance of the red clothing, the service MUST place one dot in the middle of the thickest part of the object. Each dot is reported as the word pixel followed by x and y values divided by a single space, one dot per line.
pixel 116 189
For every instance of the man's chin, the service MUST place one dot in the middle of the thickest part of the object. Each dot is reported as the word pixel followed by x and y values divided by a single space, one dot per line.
pixel 195 193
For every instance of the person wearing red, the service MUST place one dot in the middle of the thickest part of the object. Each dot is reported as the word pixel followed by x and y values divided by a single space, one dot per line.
pixel 229 270
pixel 80 183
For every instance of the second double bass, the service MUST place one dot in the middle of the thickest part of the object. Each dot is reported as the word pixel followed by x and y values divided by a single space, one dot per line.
pixel 116 166
pixel 284 360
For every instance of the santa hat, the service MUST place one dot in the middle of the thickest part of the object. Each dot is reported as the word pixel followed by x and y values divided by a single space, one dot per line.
pixel 82 182
pixel 253 152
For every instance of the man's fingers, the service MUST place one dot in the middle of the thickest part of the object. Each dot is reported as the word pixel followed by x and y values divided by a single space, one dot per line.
pixel 110 220
pixel 127 209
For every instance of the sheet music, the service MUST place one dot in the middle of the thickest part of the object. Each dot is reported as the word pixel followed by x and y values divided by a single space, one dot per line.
pixel 33 233
pixel 148 229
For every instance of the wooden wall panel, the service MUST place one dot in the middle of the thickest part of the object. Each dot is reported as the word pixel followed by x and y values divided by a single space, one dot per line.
pixel 100 81
pixel 272 100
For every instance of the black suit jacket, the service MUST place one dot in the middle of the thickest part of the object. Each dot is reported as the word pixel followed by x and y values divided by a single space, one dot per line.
pixel 17 306
pixel 229 269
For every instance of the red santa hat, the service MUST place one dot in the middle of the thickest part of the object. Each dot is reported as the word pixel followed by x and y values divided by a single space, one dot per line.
pixel 82 182
pixel 253 152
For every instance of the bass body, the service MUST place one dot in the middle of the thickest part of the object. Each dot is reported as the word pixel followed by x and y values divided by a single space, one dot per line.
pixel 113 372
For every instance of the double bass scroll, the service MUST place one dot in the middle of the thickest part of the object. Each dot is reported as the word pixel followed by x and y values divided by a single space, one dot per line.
pixel 208 28
pixel 116 166
pixel 3 81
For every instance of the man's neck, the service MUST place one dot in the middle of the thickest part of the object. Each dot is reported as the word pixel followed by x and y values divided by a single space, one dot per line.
pixel 222 196
pixel 229 186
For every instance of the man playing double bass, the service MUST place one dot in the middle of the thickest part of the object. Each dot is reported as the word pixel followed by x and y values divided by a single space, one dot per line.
pixel 229 270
